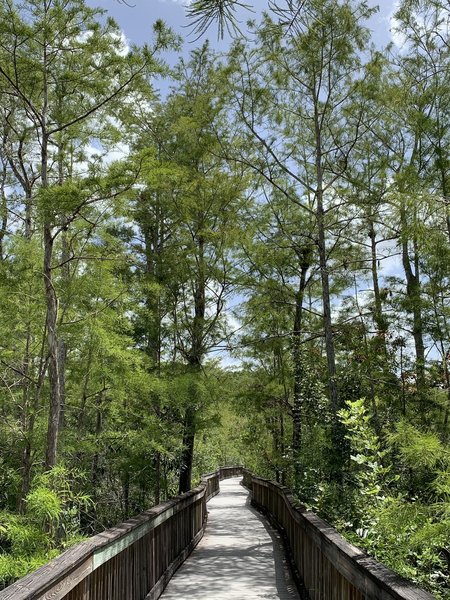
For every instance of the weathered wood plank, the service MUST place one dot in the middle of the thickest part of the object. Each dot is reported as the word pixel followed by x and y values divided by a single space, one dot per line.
pixel 240 557
pixel 62 588
pixel 66 573
pixel 162 582
pixel 338 561
pixel 139 555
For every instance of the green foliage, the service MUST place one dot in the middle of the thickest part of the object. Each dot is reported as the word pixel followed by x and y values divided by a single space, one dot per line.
pixel 43 506
pixel 418 449
pixel 50 524
pixel 401 531
pixel 406 536
pixel 307 157
pixel 366 454
pixel 14 567
pixel 203 13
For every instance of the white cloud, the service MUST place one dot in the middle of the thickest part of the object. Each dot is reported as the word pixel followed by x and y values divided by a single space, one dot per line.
pixel 123 46
pixel 397 36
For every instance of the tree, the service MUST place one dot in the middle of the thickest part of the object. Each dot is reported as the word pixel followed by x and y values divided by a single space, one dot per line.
pixel 63 70
pixel 203 13
pixel 198 204
pixel 294 96
pixel 421 71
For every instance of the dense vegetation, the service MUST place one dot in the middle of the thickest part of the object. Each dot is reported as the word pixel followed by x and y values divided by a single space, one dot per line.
pixel 286 205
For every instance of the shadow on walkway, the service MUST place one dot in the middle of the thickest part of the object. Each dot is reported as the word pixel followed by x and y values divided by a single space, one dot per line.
pixel 240 556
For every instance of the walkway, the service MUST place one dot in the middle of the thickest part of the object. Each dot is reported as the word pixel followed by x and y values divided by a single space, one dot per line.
pixel 240 555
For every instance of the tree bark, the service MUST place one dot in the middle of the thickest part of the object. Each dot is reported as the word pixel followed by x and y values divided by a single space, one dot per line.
pixel 297 407
pixel 54 353
pixel 195 361
pixel 51 299
pixel 187 455
pixel 54 347
pixel 98 430
pixel 337 430
pixel 153 231
pixel 413 290
pixel 3 208
pixel 378 316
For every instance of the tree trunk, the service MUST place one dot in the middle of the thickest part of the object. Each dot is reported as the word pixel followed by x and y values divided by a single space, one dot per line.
pixel 27 418
pixel 195 361
pixel 54 348
pixel 413 290
pixel 27 453
pixel 54 353
pixel 282 448
pixel 327 323
pixel 25 485
pixel 3 209
pixel 378 316
pixel 96 457
pixel 337 431
pixel 297 406
pixel 442 166
pixel 187 455
pixel 126 494
pixel 153 230
pixel 157 495
pixel 447 383
pixel 51 298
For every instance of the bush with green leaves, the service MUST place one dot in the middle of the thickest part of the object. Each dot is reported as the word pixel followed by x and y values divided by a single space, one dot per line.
pixel 51 523
pixel 401 517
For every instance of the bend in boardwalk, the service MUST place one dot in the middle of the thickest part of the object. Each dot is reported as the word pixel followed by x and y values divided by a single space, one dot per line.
pixel 240 555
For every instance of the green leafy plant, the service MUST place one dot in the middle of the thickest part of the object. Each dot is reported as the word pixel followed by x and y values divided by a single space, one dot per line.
pixel 50 524
pixel 400 530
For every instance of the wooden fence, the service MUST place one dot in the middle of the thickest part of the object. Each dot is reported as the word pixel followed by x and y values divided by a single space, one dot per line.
pixel 133 561
pixel 328 567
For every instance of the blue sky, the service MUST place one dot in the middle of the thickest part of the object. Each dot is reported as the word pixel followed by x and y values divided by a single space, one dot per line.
pixel 136 18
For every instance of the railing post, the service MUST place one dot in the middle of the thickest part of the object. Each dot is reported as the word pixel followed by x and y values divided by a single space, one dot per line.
pixel 328 566
pixel 138 557
pixel 135 559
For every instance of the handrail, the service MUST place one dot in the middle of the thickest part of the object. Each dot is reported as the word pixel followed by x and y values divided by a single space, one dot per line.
pixel 133 561
pixel 329 567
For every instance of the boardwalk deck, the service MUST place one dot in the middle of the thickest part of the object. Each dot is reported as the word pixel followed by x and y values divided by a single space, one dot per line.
pixel 240 555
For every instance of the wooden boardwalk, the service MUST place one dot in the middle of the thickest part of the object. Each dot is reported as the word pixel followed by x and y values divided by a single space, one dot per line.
pixel 240 555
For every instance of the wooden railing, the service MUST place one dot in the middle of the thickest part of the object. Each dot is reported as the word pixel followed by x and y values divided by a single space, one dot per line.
pixel 328 567
pixel 212 479
pixel 133 561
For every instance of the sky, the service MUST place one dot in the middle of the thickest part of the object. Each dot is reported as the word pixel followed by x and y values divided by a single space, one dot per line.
pixel 136 17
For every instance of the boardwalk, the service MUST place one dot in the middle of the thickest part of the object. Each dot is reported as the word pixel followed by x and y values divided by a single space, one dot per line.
pixel 240 556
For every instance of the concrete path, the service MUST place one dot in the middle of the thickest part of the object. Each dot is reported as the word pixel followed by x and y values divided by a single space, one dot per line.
pixel 240 556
